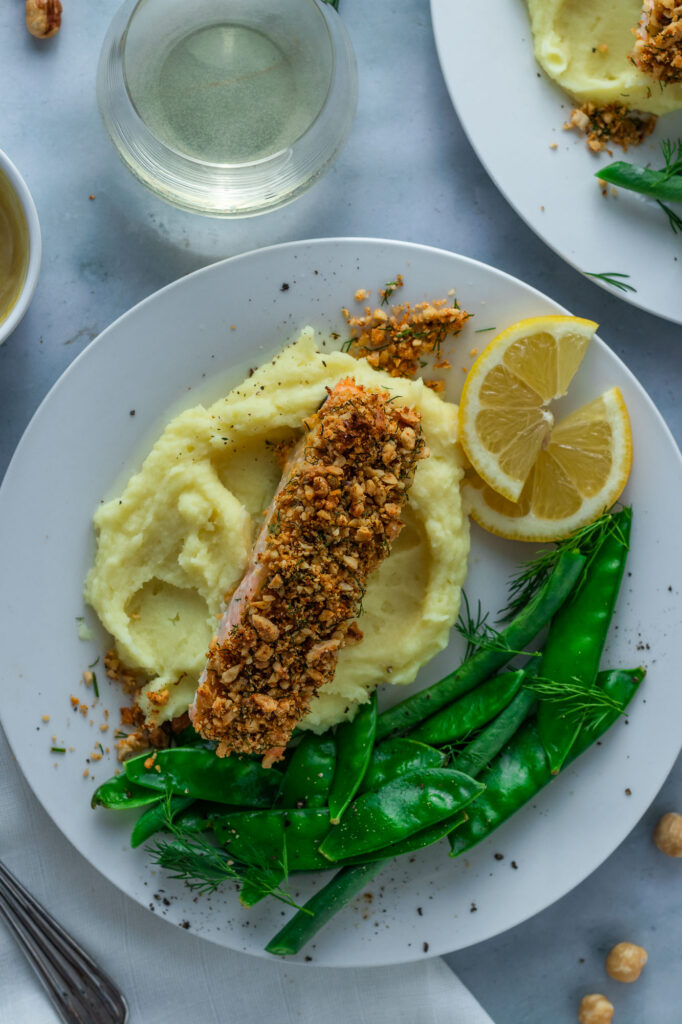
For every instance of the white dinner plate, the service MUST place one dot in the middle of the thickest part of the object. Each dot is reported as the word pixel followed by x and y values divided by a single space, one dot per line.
pixel 512 113
pixel 178 347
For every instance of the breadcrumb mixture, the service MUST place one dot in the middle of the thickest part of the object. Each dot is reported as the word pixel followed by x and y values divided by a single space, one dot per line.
pixel 330 524
pixel 397 340
pixel 658 48
pixel 612 123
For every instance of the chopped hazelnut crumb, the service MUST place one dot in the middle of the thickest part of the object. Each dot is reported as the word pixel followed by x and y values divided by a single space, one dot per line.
pixel 613 123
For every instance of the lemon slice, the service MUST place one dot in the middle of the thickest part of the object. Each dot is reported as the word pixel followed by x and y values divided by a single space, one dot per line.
pixel 580 473
pixel 504 419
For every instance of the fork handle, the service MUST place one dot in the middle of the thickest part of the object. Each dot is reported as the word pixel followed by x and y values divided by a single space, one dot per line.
pixel 79 990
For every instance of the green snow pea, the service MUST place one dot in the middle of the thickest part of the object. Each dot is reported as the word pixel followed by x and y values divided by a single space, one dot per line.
pixel 274 837
pixel 657 184
pixel 425 837
pixel 120 794
pixel 480 752
pixel 154 818
pixel 309 774
pixel 354 742
pixel 475 670
pixel 521 770
pixel 577 635
pixel 399 809
pixel 398 757
pixel 200 774
pixel 471 711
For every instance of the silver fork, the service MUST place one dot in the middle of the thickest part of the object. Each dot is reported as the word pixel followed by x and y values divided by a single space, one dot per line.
pixel 80 991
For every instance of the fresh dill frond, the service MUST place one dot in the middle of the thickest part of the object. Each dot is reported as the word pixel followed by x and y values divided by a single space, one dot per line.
pixel 346 347
pixel 191 858
pixel 674 219
pixel 614 279
pixel 481 636
pixel 531 575
pixel 578 700
pixel 672 154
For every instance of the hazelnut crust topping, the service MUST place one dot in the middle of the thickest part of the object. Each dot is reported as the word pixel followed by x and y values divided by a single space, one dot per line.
pixel 43 18
pixel 331 523
pixel 658 48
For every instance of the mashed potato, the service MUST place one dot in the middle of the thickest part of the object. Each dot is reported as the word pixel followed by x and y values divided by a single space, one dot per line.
pixel 179 537
pixel 584 45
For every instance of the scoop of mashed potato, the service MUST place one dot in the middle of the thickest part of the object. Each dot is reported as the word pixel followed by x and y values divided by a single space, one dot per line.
pixel 584 45
pixel 178 539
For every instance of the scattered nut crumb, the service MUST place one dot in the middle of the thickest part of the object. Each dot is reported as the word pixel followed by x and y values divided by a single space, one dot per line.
pixel 611 123
pixel 595 1009
pixel 46 718
pixel 668 834
pixel 625 961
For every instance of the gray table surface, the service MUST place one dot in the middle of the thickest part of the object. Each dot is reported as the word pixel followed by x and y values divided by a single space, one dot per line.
pixel 407 172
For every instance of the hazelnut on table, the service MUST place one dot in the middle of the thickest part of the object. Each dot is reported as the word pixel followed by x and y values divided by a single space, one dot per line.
pixel 668 834
pixel 595 1009
pixel 625 961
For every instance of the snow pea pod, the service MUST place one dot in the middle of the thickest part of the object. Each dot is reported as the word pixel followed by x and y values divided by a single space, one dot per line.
pixel 274 837
pixel 396 757
pixel 471 711
pixel 354 742
pixel 521 770
pixel 154 818
pixel 321 907
pixel 399 809
pixel 480 752
pixel 475 670
pixel 577 635
pixel 657 184
pixel 120 794
pixel 309 774
pixel 425 837
pixel 200 774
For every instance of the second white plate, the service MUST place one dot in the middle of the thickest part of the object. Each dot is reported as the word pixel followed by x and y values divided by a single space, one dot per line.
pixel 512 114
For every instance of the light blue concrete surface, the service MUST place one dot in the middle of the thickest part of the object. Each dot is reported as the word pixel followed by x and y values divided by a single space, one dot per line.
pixel 408 172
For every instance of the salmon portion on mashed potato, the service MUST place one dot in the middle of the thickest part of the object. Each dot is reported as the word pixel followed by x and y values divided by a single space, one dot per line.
pixel 176 540
pixel 331 523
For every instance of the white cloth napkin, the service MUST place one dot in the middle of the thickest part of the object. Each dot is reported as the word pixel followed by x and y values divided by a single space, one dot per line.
pixel 168 975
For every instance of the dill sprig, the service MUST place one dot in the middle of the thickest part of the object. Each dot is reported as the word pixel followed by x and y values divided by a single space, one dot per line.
pixel 480 635
pixel 531 575
pixel 614 279
pixel 388 290
pixel 674 219
pixel 672 154
pixel 578 700
pixel 191 858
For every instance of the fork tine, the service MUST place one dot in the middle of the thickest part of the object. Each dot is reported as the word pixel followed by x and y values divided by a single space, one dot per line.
pixel 73 981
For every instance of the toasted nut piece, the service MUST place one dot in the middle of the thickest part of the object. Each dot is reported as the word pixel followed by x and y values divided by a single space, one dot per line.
pixel 43 17
pixel 595 1009
pixel 625 961
pixel 668 834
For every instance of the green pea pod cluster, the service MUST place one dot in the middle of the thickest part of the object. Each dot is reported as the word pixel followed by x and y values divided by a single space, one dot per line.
pixel 522 768
pixel 366 792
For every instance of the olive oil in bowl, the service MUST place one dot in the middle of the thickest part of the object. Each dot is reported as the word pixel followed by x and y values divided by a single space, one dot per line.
pixel 14 247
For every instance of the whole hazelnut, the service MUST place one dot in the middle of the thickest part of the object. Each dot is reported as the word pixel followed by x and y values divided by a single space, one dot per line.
pixel 43 17
pixel 668 834
pixel 625 961
pixel 595 1009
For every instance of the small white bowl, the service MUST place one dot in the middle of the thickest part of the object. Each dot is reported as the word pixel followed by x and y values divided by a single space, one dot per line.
pixel 20 187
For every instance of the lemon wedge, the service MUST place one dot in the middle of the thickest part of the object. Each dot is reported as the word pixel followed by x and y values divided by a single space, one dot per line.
pixel 579 472
pixel 504 417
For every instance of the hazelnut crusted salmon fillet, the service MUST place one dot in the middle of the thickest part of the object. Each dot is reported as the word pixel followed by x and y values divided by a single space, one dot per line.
pixel 331 522
pixel 658 49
